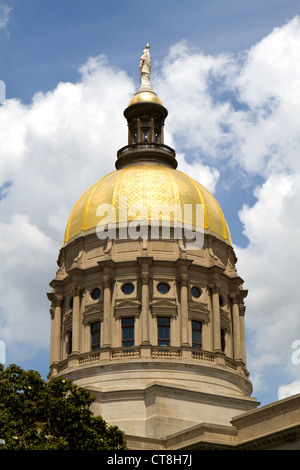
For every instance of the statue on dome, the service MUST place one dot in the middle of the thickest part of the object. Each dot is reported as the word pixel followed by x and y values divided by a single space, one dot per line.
pixel 145 66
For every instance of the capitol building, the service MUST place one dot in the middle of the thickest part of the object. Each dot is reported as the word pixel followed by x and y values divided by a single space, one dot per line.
pixel 148 309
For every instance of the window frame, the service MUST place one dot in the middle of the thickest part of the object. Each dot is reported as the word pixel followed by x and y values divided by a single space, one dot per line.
pixel 95 346
pixel 165 326
pixel 127 336
pixel 195 344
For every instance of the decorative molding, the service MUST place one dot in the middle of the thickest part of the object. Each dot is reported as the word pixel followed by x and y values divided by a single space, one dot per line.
pixel 67 322
pixel 215 288
pixel 57 300
pixel 235 298
pixel 76 289
pixel 107 280
pixel 145 277
pixel 183 279
pixel 127 307
pixel 164 307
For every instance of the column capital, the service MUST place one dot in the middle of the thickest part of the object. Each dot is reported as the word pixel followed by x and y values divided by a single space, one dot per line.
pixel 57 300
pixel 107 280
pixel 215 288
pixel 242 310
pixel 76 289
pixel 235 298
pixel 183 279
pixel 145 276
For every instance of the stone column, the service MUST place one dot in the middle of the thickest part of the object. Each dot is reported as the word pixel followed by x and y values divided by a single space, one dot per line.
pixel 152 132
pixel 76 319
pixel 145 308
pixel 216 317
pixel 236 326
pixel 138 131
pixel 242 332
pixel 52 316
pixel 57 329
pixel 184 308
pixel 106 311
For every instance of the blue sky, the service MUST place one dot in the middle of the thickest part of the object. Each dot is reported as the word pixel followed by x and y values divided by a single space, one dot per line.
pixel 228 72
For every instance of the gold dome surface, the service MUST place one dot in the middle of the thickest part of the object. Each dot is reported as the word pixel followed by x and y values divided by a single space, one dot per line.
pixel 145 96
pixel 147 186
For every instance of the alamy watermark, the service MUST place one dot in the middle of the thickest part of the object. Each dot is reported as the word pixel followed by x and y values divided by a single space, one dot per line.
pixel 296 353
pixel 2 92
pixel 163 222
pixel 2 352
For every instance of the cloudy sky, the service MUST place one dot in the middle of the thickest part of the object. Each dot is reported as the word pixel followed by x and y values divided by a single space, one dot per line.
pixel 229 74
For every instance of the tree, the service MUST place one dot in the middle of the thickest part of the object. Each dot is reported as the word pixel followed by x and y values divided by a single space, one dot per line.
pixel 53 415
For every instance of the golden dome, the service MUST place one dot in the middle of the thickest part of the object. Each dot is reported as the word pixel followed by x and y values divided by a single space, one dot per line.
pixel 147 186
pixel 145 96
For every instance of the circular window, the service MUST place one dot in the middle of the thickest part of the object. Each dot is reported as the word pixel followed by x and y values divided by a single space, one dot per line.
pixel 96 293
pixel 163 288
pixel 195 292
pixel 127 289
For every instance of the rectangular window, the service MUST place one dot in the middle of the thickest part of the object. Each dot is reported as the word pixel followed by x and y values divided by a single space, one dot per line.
pixel 95 335
pixel 196 334
pixel 223 341
pixel 69 342
pixel 163 331
pixel 127 332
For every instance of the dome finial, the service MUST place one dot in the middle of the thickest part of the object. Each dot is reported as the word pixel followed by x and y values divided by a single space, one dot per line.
pixel 145 69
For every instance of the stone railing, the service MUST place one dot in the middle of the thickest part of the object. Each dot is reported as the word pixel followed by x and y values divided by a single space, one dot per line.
pixel 126 352
pixel 146 146
pixel 135 352
pixel 150 352
pixel 164 351
pixel 203 355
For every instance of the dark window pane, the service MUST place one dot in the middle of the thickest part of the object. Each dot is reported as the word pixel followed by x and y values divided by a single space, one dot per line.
pixel 127 289
pixel 163 321
pixel 128 332
pixel 96 335
pixel 163 288
pixel 127 321
pixel 196 334
pixel 163 331
pixel 96 294
pixel 195 292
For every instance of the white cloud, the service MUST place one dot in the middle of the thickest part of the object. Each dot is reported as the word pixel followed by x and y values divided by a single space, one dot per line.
pixel 286 391
pixel 4 15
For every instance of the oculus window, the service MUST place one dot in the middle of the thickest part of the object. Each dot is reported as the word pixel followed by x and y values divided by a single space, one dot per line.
pixel 127 289
pixel 163 288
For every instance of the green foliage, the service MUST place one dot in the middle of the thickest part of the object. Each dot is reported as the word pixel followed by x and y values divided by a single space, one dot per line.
pixel 54 415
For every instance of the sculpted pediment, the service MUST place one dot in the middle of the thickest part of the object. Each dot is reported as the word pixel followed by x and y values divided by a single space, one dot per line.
pixel 127 307
pixel 200 307
pixel 90 309
pixel 127 303
pixel 163 303
pixel 164 306
pixel 225 319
